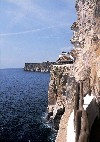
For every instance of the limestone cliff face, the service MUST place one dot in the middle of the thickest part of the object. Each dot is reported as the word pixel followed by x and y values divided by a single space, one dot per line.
pixel 38 67
pixel 74 90
pixel 61 90
pixel 86 40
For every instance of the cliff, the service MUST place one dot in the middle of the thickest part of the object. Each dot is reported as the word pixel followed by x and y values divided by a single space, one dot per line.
pixel 74 89
pixel 39 67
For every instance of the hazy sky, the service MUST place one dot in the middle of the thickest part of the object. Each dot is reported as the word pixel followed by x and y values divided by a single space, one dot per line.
pixel 34 30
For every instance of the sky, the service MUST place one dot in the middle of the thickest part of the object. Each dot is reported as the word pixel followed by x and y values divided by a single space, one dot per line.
pixel 34 30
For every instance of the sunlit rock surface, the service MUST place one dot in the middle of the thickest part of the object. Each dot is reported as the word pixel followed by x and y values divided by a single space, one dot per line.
pixel 77 86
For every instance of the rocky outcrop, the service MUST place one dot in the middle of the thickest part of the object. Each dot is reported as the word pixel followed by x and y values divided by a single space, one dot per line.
pixel 61 92
pixel 74 89
pixel 87 67
pixel 87 42
pixel 39 67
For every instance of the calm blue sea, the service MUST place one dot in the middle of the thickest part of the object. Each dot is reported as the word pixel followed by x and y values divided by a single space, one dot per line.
pixel 23 101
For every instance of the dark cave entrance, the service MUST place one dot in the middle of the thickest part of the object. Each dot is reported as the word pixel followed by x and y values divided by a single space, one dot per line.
pixel 57 118
pixel 95 131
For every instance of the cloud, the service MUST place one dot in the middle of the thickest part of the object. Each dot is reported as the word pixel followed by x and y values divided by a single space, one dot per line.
pixel 38 12
pixel 31 31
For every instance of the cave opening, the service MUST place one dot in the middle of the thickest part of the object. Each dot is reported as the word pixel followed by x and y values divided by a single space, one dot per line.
pixel 57 118
pixel 95 131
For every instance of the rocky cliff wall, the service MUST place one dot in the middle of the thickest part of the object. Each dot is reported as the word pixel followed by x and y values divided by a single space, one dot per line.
pixel 87 67
pixel 87 42
pixel 62 88
pixel 39 67
pixel 74 91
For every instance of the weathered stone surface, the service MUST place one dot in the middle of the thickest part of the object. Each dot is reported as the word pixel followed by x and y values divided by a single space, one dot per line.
pixel 62 88
pixel 71 85
pixel 88 35
pixel 39 67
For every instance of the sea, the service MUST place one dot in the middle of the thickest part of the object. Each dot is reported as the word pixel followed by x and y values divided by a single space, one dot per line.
pixel 23 105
